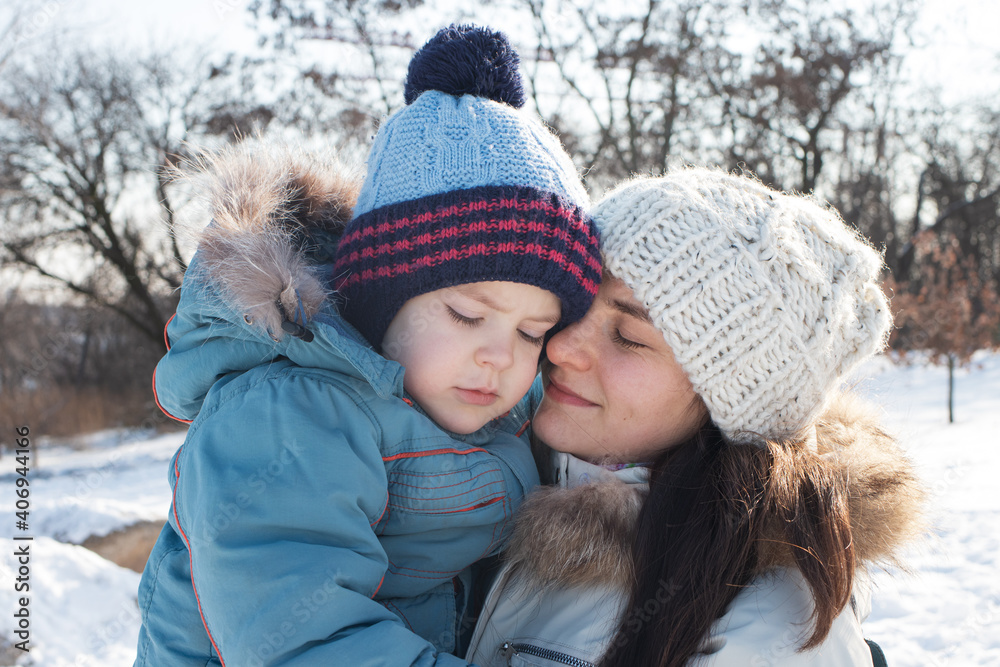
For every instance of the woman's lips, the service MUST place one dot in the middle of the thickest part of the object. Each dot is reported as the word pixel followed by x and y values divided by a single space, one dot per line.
pixel 478 396
pixel 561 394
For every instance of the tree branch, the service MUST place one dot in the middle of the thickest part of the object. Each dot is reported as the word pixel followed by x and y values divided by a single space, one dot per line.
pixel 22 258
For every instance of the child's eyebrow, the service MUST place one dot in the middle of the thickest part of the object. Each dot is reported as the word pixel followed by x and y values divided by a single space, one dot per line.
pixel 631 309
pixel 547 319
pixel 490 302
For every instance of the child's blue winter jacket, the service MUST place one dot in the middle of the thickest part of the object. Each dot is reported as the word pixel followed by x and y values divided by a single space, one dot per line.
pixel 318 517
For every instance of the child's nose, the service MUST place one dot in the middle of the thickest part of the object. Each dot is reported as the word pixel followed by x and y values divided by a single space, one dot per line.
pixel 497 352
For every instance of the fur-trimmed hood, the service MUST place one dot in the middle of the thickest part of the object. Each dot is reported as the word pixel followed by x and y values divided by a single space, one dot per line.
pixel 582 535
pixel 277 215
pixel 258 287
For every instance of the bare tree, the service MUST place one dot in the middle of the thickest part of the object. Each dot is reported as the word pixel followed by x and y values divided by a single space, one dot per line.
pixel 345 93
pixel 871 157
pixel 626 86
pixel 958 193
pixel 7 32
pixel 809 64
pixel 83 141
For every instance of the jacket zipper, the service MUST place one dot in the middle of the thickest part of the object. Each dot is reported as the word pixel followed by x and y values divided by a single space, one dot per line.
pixel 509 650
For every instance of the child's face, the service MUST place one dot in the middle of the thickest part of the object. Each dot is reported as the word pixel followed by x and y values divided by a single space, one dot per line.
pixel 471 351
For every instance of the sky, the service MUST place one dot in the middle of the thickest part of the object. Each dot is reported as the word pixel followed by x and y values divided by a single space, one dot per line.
pixel 956 41
pixel 961 49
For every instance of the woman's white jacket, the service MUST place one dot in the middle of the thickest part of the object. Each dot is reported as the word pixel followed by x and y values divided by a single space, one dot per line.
pixel 563 590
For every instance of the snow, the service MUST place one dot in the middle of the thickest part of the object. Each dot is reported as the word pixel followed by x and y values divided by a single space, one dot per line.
pixel 82 607
pixel 944 611
pixel 947 612
pixel 102 483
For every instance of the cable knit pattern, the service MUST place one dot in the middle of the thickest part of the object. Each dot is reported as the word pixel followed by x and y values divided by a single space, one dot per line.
pixel 461 188
pixel 767 299
pixel 442 143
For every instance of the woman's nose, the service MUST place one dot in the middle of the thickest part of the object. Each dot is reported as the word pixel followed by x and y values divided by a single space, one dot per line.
pixel 571 346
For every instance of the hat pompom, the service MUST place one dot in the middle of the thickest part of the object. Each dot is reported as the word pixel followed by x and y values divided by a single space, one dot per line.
pixel 467 60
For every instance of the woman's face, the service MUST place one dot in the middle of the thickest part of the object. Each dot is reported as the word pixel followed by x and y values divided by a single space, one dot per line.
pixel 613 391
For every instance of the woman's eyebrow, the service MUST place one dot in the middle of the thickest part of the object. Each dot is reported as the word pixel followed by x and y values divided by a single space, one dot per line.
pixel 630 309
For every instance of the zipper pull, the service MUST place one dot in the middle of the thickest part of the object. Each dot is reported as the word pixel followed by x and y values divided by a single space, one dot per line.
pixel 507 651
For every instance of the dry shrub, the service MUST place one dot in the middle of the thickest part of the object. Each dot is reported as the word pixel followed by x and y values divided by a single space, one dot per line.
pixel 67 369
pixel 947 308
pixel 65 411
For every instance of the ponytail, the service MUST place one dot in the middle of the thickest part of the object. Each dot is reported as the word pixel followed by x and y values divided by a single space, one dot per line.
pixel 714 509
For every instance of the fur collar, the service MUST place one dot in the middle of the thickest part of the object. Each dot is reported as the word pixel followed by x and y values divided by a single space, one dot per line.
pixel 276 216
pixel 583 535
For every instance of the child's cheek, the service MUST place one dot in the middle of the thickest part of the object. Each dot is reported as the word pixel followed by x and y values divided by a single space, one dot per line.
pixel 526 371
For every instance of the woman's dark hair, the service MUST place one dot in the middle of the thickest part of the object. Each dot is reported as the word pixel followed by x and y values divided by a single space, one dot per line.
pixel 716 511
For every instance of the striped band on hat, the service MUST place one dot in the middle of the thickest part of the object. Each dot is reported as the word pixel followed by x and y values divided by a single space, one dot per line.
pixel 488 233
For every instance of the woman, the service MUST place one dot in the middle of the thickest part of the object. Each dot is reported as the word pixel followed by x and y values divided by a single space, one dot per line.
pixel 717 499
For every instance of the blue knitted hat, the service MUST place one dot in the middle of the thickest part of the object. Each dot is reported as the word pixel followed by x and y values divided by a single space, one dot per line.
pixel 463 186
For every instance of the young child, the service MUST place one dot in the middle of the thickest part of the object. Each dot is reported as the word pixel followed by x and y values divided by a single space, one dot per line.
pixel 327 506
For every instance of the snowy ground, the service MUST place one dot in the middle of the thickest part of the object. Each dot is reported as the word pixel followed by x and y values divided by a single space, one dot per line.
pixel 82 607
pixel 946 612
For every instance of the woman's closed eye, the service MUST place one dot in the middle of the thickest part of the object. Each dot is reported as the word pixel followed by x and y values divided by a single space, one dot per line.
pixel 627 343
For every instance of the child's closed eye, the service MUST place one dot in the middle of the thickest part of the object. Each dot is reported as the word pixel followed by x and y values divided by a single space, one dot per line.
pixel 463 319
pixel 534 340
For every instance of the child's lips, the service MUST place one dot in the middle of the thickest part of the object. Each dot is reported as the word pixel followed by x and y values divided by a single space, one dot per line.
pixel 478 396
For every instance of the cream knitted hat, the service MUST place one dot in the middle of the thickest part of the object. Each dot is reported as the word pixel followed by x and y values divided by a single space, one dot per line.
pixel 767 299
